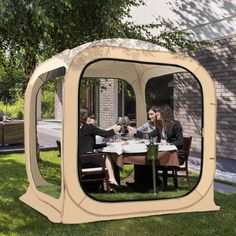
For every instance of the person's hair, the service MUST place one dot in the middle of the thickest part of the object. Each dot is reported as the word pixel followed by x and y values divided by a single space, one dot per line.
pixel 84 115
pixel 166 117
pixel 155 108
pixel 91 115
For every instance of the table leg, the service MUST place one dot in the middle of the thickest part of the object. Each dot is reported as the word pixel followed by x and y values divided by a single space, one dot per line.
pixel 143 177
pixel 154 177
pixel 165 178
pixel 117 173
pixel 174 173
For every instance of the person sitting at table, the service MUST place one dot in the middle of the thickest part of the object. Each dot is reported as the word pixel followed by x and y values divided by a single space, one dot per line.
pixel 168 130
pixel 143 173
pixel 87 143
pixel 144 130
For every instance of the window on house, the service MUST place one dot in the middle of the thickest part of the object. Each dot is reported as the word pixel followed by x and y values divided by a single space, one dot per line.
pixel 126 101
pixel 159 90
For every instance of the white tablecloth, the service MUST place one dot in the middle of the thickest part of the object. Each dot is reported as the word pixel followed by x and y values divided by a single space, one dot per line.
pixel 133 146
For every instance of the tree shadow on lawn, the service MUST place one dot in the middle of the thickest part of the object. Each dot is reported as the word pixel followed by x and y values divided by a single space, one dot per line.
pixel 51 172
pixel 15 215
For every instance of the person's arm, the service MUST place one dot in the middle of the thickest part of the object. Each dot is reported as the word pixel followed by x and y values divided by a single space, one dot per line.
pixel 100 145
pixel 105 133
pixel 143 128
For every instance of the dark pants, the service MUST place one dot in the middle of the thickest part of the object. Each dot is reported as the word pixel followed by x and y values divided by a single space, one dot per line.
pixel 143 175
pixel 143 178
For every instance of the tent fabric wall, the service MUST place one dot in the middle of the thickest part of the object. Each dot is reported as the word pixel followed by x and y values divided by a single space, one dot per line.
pixel 136 62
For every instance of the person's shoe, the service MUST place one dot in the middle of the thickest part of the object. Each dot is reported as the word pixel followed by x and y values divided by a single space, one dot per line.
pixel 115 188
pixel 112 190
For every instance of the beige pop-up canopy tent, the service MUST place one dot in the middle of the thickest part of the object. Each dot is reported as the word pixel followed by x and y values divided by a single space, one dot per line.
pixel 136 62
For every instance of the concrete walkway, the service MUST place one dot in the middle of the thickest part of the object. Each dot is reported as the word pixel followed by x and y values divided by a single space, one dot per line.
pixel 49 131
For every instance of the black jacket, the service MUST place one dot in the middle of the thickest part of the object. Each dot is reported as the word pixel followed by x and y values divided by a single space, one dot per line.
pixel 87 141
pixel 174 135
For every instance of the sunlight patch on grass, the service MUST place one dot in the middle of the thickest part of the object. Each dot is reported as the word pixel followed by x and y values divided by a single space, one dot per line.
pixel 126 171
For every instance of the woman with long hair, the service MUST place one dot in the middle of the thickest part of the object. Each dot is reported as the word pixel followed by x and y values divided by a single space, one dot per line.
pixel 167 128
pixel 145 129
pixel 143 173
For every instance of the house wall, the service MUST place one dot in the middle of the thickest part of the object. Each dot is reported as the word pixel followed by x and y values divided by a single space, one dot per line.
pixel 202 19
pixel 220 62
pixel 188 108
pixel 215 21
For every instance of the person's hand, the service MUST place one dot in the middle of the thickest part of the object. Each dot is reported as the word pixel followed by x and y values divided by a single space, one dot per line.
pixel 116 128
pixel 131 129
pixel 163 142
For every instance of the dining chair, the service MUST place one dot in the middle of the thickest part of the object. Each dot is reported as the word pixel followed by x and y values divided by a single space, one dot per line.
pixel 185 152
pixel 174 171
pixel 58 142
pixel 94 170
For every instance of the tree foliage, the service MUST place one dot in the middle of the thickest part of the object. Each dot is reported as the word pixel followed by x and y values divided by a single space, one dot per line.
pixel 32 30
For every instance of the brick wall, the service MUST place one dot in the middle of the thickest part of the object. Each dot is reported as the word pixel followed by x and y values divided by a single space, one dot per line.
pixel 220 62
pixel 108 103
pixel 188 108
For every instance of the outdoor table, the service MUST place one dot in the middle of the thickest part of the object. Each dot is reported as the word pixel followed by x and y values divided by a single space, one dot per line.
pixel 134 152
pixel 11 132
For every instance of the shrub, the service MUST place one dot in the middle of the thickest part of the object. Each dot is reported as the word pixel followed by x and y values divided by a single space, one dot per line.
pixel 48 103
pixel 14 110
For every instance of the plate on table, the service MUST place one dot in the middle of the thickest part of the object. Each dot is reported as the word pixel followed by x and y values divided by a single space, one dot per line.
pixel 135 148
pixel 167 147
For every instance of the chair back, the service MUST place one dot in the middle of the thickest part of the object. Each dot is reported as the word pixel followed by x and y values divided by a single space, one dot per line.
pixel 186 146
pixel 92 168
pixel 90 160
pixel 58 142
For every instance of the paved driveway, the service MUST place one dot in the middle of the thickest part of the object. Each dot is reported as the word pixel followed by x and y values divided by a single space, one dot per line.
pixel 48 132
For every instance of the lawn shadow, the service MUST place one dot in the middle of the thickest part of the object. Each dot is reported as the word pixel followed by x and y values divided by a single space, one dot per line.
pixel 51 172
pixel 15 215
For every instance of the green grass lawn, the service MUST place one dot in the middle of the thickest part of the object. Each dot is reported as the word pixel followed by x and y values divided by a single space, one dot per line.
pixel 50 170
pixel 16 218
